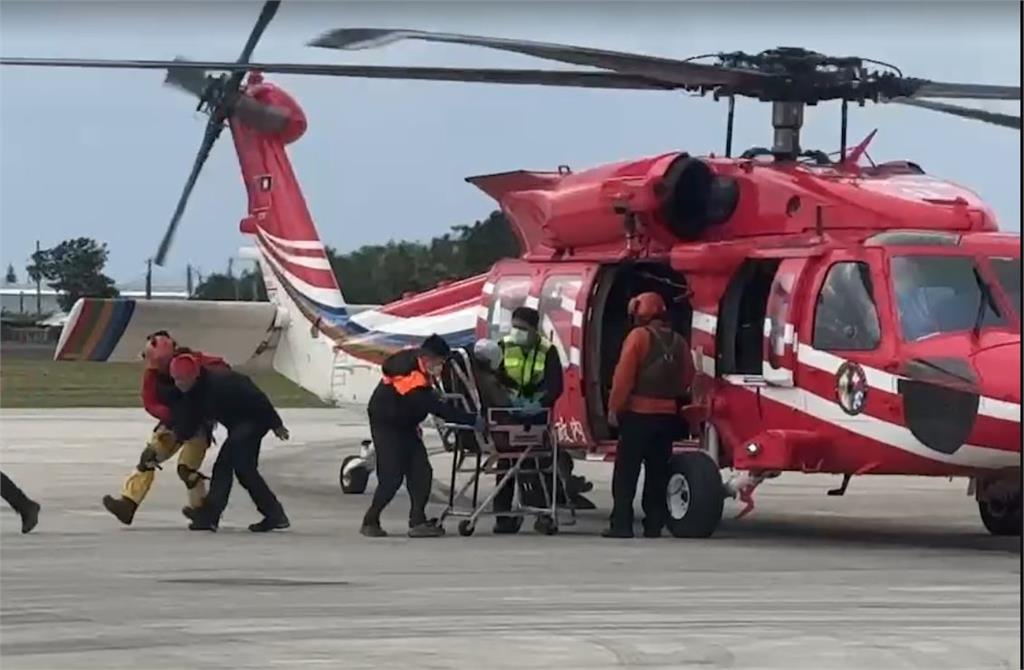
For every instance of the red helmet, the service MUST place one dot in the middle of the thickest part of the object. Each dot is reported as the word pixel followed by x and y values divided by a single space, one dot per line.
pixel 646 306
pixel 184 367
pixel 159 350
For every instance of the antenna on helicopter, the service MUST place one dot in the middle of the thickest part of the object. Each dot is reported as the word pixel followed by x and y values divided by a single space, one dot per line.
pixel 728 126
pixel 844 114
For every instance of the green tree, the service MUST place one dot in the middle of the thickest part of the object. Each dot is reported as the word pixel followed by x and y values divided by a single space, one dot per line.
pixel 217 286
pixel 382 273
pixel 74 268
pixel 11 277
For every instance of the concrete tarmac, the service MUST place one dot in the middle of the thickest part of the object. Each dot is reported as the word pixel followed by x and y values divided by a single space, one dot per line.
pixel 899 573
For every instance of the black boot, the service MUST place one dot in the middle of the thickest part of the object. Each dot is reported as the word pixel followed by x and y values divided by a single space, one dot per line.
pixel 619 533
pixel 426 529
pixel 203 524
pixel 29 516
pixel 200 520
pixel 268 524
pixel 122 508
pixel 372 530
pixel 582 502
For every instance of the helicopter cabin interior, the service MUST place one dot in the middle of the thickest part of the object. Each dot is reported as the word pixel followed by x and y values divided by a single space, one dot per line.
pixel 742 311
pixel 608 326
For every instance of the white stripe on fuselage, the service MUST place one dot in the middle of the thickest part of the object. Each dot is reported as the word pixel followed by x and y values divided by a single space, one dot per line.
pixel 442 324
pixel 877 379
pixel 325 296
pixel 311 262
pixel 890 434
pixel 295 244
pixel 882 431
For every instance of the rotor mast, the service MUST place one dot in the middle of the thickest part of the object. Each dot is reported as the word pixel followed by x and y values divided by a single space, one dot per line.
pixel 787 119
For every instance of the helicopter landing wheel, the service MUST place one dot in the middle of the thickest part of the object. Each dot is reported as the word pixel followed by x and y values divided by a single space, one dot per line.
pixel 545 525
pixel 355 480
pixel 695 495
pixel 1002 516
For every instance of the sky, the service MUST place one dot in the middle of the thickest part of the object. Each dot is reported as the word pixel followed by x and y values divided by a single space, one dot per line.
pixel 105 154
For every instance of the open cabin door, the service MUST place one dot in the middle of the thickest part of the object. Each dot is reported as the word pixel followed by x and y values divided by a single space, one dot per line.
pixel 558 291
pixel 781 316
pixel 756 334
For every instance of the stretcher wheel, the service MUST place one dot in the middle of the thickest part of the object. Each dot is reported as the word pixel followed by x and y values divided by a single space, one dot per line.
pixel 356 479
pixel 545 525
pixel 466 528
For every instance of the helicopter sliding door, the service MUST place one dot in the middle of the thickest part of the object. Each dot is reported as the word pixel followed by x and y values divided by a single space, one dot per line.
pixel 756 344
pixel 779 361
pixel 558 291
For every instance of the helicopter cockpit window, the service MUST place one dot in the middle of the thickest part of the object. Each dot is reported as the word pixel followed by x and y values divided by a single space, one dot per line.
pixel 941 294
pixel 1007 271
pixel 846 318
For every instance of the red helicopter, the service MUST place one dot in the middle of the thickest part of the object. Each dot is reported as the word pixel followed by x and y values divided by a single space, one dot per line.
pixel 846 318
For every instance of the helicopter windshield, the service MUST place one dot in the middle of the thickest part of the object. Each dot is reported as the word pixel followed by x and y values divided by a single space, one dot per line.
pixel 1007 271
pixel 941 294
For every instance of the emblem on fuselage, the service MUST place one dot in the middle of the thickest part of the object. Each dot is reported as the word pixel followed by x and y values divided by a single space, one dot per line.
pixel 851 388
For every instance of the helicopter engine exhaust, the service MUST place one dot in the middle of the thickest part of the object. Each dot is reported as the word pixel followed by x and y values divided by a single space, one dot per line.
pixel 665 199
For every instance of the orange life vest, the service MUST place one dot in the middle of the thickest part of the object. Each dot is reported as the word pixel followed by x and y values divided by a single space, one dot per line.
pixel 405 384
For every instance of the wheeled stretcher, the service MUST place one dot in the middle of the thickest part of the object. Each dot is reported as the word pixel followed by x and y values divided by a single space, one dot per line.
pixel 519 446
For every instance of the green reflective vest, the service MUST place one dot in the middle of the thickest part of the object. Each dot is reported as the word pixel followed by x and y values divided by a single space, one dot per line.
pixel 524 367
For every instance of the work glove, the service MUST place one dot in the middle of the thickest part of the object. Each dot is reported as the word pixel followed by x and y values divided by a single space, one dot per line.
pixel 532 405
pixel 148 460
pixel 281 433
pixel 480 424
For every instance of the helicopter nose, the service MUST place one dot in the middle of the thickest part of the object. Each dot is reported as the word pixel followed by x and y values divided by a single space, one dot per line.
pixel 998 370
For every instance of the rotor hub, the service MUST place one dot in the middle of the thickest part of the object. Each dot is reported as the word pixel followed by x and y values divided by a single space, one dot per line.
pixel 801 75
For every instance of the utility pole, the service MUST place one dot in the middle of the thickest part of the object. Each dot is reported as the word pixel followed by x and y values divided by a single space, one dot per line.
pixel 149 279
pixel 234 282
pixel 39 284
pixel 188 279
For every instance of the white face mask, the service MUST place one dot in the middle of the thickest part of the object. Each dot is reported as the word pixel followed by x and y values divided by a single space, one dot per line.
pixel 520 336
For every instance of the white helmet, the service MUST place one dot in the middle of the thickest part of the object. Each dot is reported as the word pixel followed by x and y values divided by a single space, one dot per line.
pixel 487 352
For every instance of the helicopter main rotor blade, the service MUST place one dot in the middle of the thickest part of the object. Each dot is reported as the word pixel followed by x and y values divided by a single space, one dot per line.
pixel 667 70
pixel 213 130
pixel 266 14
pixel 997 118
pixel 234 82
pixel 189 79
pixel 178 68
pixel 941 89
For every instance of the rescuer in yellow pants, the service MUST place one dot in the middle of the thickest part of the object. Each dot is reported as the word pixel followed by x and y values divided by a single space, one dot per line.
pixel 158 395
pixel 161 447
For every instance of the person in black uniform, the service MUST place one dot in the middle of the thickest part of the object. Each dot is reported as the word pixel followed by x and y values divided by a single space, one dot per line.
pixel 26 508
pixel 402 400
pixel 233 400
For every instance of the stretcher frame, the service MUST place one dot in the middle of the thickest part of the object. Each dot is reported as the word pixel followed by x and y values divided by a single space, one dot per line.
pixel 529 441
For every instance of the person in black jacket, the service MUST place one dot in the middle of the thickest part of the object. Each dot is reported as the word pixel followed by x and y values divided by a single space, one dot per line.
pixel 233 400
pixel 402 400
